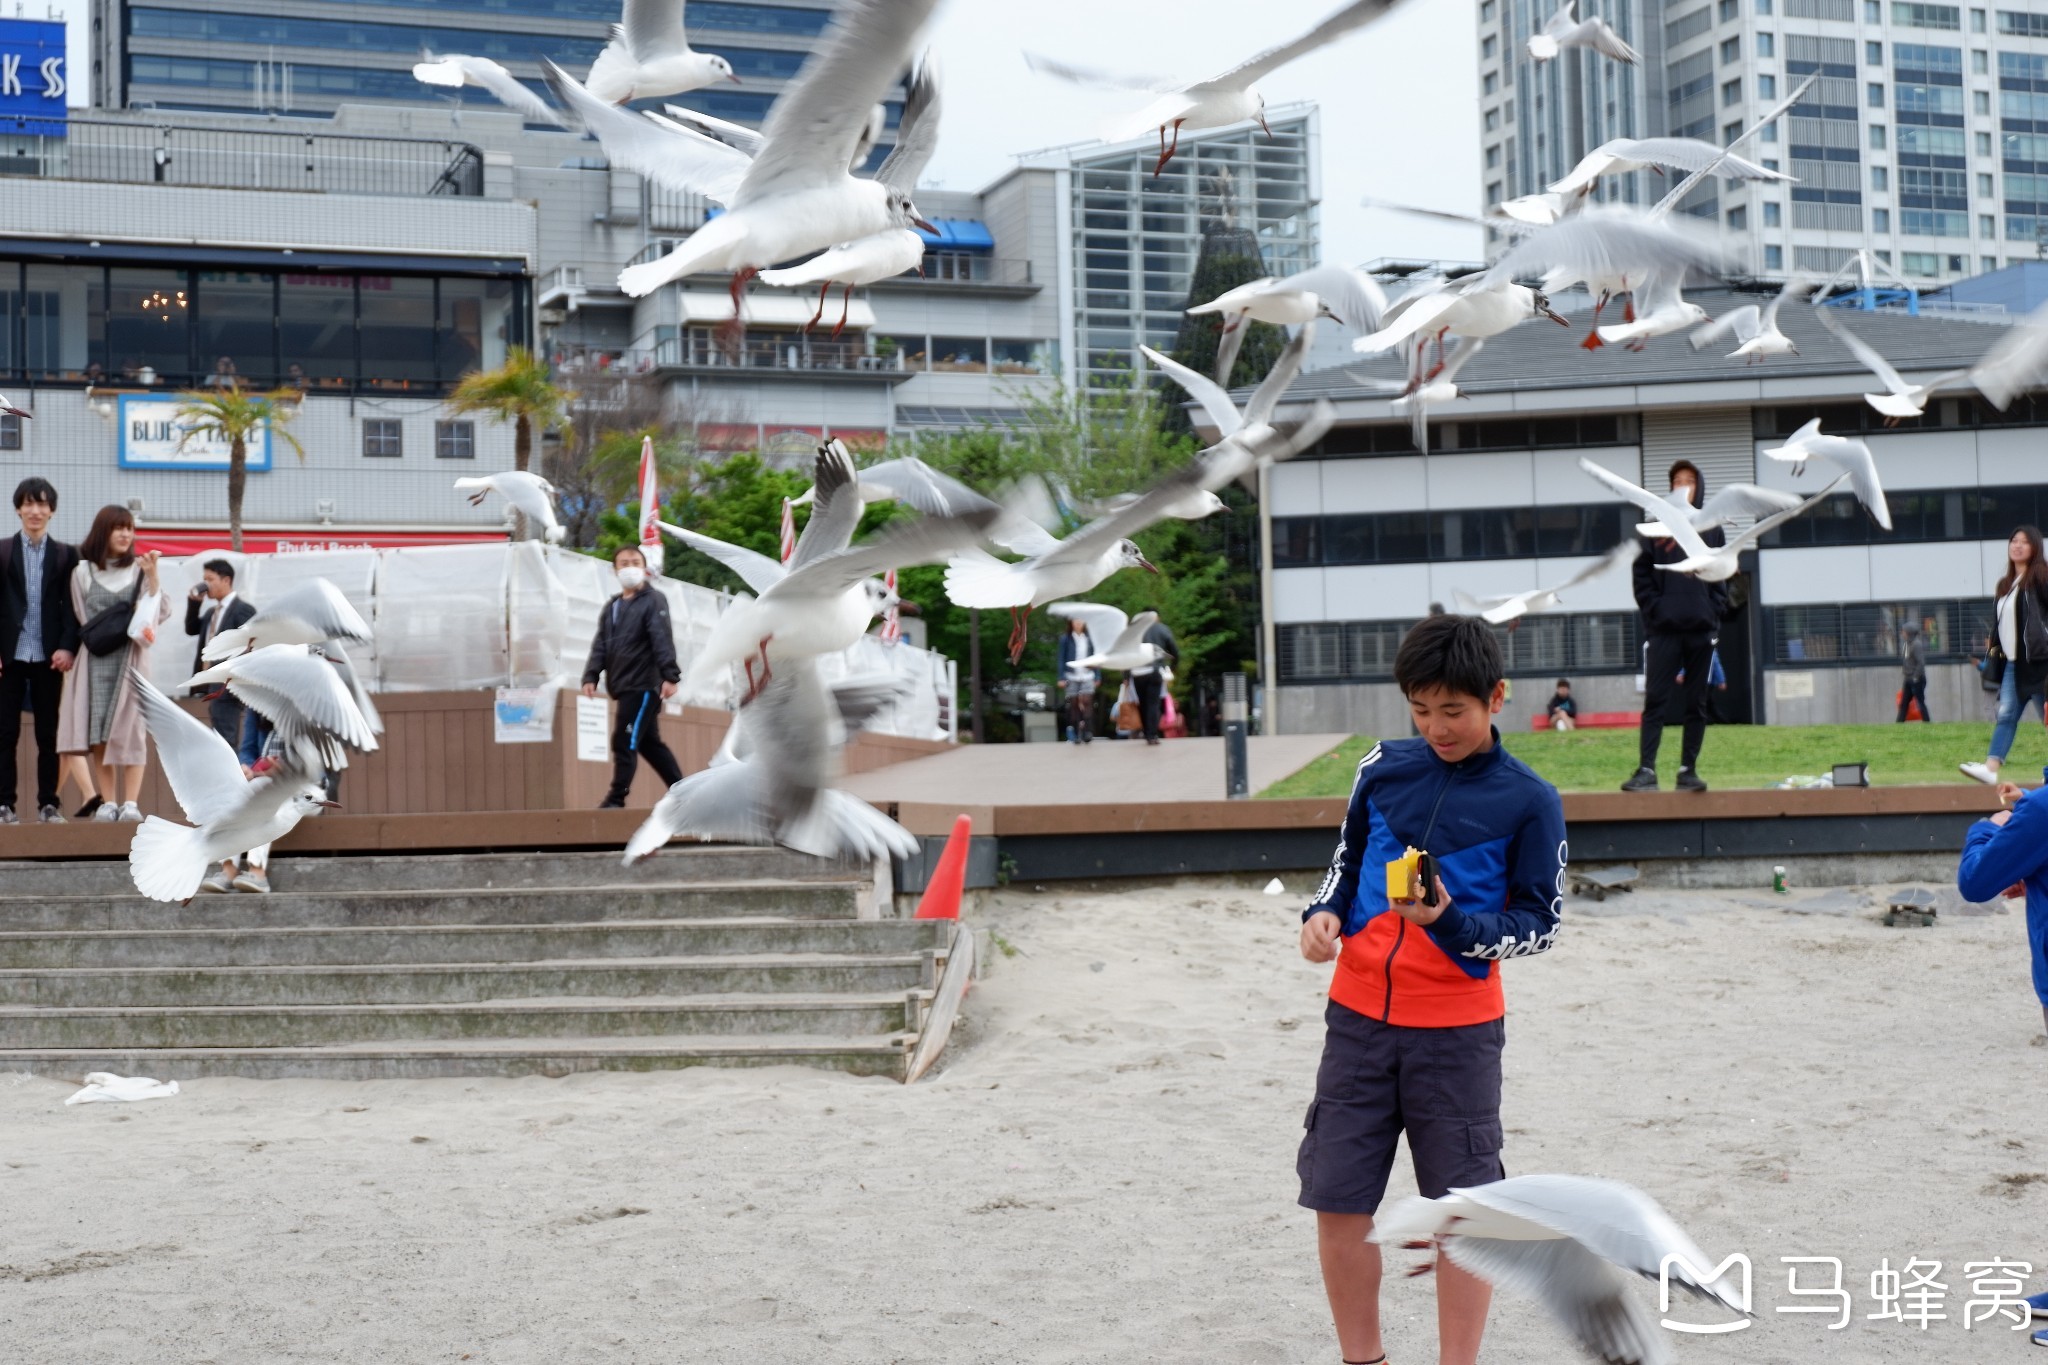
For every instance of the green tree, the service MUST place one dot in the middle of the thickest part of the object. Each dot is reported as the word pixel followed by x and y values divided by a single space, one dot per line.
pixel 520 391
pixel 233 415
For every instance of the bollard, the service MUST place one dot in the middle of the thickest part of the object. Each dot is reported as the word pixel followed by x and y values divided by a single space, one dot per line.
pixel 1237 768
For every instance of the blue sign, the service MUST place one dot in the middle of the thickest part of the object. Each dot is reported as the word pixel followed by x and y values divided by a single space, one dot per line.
pixel 33 77
pixel 152 437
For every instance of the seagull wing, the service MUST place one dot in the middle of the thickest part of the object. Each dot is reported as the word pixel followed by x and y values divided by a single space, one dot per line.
pixel 917 132
pixel 1866 353
pixel 1771 523
pixel 864 696
pixel 1689 154
pixel 1776 111
pixel 1103 80
pixel 488 75
pixel 722 802
pixel 816 122
pixel 1798 287
pixel 1357 14
pixel 1742 321
pixel 1741 500
pixel 315 609
pixel 1608 243
pixel 923 489
pixel 665 154
pixel 2017 363
pixel 1588 1296
pixel 1855 459
pixel 1622 554
pixel 353 681
pixel 1596 34
pixel 1352 297
pixel 926 540
pixel 1204 390
pixel 756 570
pixel 1105 623
pixel 835 506
pixel 1676 518
pixel 203 771
pixel 652 29
pixel 1403 322
pixel 733 135
pixel 530 493
pixel 1266 397
pixel 300 693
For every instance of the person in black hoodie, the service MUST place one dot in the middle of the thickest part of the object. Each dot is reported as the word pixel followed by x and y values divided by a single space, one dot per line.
pixel 1681 619
pixel 635 651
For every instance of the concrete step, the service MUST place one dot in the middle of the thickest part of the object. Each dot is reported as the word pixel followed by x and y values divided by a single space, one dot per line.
pixel 678 864
pixel 766 977
pixel 243 1026
pixel 864 1055
pixel 371 945
pixel 803 899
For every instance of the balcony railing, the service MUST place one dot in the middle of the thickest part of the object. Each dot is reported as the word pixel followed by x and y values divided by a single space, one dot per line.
pixel 247 159
pixel 940 269
pixel 788 352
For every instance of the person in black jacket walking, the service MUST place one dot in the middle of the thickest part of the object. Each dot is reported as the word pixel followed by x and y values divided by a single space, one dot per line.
pixel 1150 681
pixel 1681 619
pixel 635 651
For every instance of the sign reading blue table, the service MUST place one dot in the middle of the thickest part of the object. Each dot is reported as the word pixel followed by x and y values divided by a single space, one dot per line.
pixel 152 437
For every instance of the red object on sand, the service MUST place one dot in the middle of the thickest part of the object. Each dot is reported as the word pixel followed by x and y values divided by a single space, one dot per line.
pixel 941 899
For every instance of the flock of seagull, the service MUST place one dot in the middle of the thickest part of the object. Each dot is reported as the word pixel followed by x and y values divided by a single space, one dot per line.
pixel 797 212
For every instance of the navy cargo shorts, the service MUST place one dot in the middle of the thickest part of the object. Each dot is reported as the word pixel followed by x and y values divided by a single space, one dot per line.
pixel 1439 1085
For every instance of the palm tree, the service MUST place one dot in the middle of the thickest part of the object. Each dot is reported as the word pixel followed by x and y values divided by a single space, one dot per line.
pixel 518 391
pixel 230 414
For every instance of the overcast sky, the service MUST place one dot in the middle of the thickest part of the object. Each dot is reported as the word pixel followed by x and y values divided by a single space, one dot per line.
pixel 1399 98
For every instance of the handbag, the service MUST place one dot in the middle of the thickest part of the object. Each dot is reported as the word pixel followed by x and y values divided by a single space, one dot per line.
pixel 108 630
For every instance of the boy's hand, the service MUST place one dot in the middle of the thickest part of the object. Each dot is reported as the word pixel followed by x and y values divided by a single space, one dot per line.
pixel 2000 817
pixel 2009 792
pixel 1319 936
pixel 1415 912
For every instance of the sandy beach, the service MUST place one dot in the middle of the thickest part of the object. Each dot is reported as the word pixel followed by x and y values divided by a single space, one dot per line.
pixel 1103 1170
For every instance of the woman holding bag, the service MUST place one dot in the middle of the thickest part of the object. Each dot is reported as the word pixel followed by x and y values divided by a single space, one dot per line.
pixel 119 603
pixel 2019 647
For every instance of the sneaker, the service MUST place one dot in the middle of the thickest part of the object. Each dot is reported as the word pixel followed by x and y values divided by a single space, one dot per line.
pixel 2037 1304
pixel 609 804
pixel 50 815
pixel 2039 1338
pixel 106 814
pixel 1645 780
pixel 1981 772
pixel 219 881
pixel 8 817
pixel 86 811
pixel 130 813
pixel 253 879
pixel 1690 781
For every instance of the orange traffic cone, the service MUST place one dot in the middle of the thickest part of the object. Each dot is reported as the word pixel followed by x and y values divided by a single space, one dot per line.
pixel 941 899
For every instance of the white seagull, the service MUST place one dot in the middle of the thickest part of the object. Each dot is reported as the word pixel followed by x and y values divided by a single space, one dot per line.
pixel 650 55
pixel 1349 295
pixel 528 493
pixel 303 696
pixel 1416 395
pixel 1665 311
pixel 1572 1242
pixel 771 782
pixel 1623 154
pixel 1756 328
pixel 310 614
pixel 1703 561
pixel 1730 503
pixel 2017 363
pixel 893 251
pixel 459 70
pixel 1563 29
pixel 795 196
pixel 1903 400
pixel 232 813
pixel 1219 101
pixel 1506 607
pixel 1256 417
pixel 1127 649
pixel 1849 455
pixel 1476 308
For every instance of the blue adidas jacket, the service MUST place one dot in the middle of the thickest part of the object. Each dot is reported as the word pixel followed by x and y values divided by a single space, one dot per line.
pixel 1996 856
pixel 1497 832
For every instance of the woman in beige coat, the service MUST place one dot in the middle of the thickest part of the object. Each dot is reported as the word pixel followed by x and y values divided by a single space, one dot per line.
pixel 101 712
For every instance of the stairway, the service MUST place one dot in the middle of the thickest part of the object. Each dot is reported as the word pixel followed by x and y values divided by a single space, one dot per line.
pixel 478 965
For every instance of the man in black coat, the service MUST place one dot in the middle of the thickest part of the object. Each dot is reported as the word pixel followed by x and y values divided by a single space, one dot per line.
pixel 229 611
pixel 1681 621
pixel 1150 682
pixel 38 641
pixel 635 651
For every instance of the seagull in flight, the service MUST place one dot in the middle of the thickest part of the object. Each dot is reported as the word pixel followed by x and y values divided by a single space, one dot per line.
pixel 310 614
pixel 1624 154
pixel 1349 295
pixel 1902 400
pixel 1756 329
pixel 1703 561
pixel 307 701
pixel 1846 454
pixel 1127 649
pixel 1256 417
pixel 1511 606
pixel 453 72
pixel 650 55
pixel 1563 29
pixel 1573 1243
pixel 528 493
pixel 1730 503
pixel 1231 97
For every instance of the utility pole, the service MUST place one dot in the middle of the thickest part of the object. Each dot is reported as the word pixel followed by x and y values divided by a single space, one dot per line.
pixel 974 672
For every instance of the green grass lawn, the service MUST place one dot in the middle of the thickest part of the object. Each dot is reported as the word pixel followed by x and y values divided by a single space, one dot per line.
pixel 1735 756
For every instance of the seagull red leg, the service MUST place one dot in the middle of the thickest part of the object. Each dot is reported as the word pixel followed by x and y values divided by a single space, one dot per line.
pixel 845 308
pixel 823 290
pixel 1020 633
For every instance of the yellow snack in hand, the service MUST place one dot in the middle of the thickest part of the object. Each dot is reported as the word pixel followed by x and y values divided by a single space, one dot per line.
pixel 1404 876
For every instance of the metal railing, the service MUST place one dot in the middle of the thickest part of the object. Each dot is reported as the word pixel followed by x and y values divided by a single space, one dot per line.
pixel 940 268
pixel 789 352
pixel 247 159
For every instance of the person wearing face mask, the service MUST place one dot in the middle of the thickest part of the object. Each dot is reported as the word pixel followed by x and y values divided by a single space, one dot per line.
pixel 1681 618
pixel 635 652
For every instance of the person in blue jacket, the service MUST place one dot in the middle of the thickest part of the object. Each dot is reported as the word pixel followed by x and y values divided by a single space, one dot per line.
pixel 2007 854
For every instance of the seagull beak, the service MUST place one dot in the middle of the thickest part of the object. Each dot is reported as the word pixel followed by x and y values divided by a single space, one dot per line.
pixel 330 805
pixel 1147 565
pixel 16 412
pixel 1556 317
pixel 922 226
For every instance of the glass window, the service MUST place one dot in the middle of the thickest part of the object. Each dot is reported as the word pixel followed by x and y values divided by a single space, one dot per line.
pixel 1022 357
pixel 1731 51
pixel 1980 63
pixel 397 331
pixel 384 438
pixel 1806 634
pixel 10 432
pixel 1773 213
pixel 1297 541
pixel 316 325
pixel 1880 220
pixel 56 303
pixel 1490 83
pixel 1766 45
pixel 476 323
pixel 1774 258
pixel 144 325
pixel 1873 54
pixel 1731 93
pixel 1877 139
pixel 232 311
pixel 910 353
pixel 1874 95
pixel 1349 539
pixel 966 354
pixel 1880 178
pixel 455 440
pixel 1403 536
pixel 1738 218
pixel 1767 87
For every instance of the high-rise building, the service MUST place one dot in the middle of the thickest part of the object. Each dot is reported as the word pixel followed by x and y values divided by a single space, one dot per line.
pixel 1135 235
pixel 1925 138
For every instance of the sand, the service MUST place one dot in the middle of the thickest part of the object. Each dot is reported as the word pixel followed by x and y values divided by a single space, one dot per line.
pixel 1103 1170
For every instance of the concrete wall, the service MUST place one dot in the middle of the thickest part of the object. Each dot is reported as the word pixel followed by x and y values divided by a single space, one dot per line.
pixel 1848 696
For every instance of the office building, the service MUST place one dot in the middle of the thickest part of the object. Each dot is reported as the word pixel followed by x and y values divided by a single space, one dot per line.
pixel 1925 138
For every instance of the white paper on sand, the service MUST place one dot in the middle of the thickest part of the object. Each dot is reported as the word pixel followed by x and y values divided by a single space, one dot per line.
pixel 1276 887
pixel 104 1087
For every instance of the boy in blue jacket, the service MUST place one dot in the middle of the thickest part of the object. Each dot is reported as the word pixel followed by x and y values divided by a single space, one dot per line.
pixel 2009 853
pixel 1415 1020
